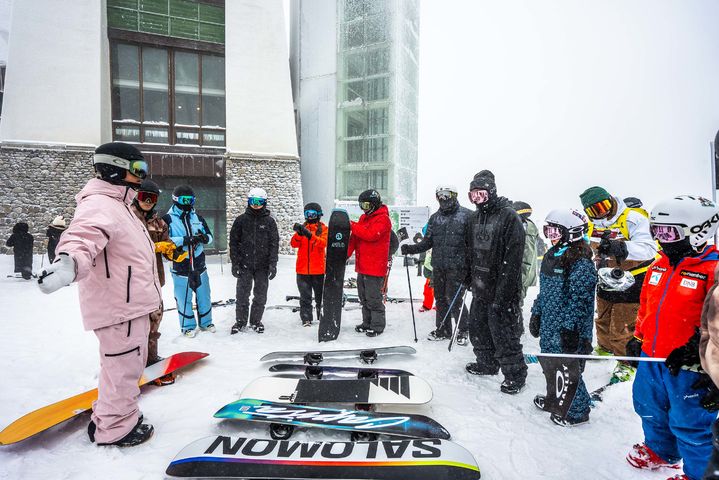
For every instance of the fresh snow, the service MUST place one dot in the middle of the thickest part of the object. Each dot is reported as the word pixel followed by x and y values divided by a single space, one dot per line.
pixel 47 356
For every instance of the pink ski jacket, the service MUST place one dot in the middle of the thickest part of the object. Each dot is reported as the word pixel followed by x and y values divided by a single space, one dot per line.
pixel 114 257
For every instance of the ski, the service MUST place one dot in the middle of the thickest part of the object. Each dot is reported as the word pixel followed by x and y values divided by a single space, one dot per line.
pixel 398 424
pixel 217 303
pixel 353 298
pixel 385 390
pixel 319 371
pixel 43 418
pixel 248 458
pixel 337 245
pixel 294 308
pixel 366 355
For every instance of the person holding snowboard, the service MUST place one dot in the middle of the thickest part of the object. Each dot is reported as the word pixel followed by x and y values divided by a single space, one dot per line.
pixel 370 242
pixel 108 251
pixel 446 231
pixel 620 239
pixel 709 357
pixel 529 260
pixel 563 312
pixel 310 240
pixel 21 242
pixel 675 399
pixel 495 247
pixel 54 230
pixel 189 232
pixel 254 247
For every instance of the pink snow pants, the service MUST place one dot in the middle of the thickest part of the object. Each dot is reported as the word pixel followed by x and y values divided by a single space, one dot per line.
pixel 123 353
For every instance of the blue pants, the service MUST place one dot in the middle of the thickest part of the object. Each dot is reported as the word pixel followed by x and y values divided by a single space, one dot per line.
pixel 183 297
pixel 675 424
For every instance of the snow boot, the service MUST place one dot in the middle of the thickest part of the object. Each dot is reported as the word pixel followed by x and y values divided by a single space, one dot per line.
pixel 539 401
pixel 644 458
pixel 92 428
pixel 237 328
pixel 423 309
pixel 372 333
pixel 140 434
pixel 599 350
pixel 569 422
pixel 476 369
pixel 306 323
pixel 190 333
pixel 512 387
pixel 623 372
pixel 258 327
pixel 462 339
pixel 361 328
pixel 165 380
pixel 210 328
pixel 437 336
pixel 678 477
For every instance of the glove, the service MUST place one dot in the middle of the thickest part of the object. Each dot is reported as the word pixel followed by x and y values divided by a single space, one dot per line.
pixel 305 232
pixel 569 340
pixel 273 271
pixel 613 248
pixel 534 324
pixel 201 238
pixel 686 355
pixel 236 270
pixel 187 240
pixel 165 248
pixel 710 400
pixel 634 349
pixel 585 346
pixel 59 274
pixel 406 249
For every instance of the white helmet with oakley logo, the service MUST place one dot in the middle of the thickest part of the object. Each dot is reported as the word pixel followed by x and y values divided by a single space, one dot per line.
pixel 685 216
pixel 566 225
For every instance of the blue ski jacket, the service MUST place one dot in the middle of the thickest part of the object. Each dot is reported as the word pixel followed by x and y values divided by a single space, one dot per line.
pixel 186 224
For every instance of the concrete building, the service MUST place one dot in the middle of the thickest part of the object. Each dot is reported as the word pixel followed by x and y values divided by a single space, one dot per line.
pixel 202 87
pixel 355 79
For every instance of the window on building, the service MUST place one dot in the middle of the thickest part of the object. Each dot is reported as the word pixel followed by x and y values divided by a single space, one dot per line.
pixel 167 95
pixel 357 182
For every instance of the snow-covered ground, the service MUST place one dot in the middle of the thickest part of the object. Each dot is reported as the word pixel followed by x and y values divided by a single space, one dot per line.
pixel 46 356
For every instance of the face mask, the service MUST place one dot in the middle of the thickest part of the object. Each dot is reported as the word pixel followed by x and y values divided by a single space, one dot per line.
pixel 676 251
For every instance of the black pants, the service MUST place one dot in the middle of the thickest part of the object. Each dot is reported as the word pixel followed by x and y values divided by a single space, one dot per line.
pixel 261 279
pixel 495 333
pixel 307 284
pixel 446 283
pixel 369 289
pixel 712 471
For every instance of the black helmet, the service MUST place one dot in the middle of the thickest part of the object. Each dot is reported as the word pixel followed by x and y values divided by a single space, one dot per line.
pixel 184 197
pixel 523 209
pixel 112 160
pixel 148 185
pixel 371 200
pixel 313 212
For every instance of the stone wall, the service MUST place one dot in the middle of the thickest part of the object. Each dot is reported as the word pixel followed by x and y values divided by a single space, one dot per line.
pixel 38 182
pixel 279 176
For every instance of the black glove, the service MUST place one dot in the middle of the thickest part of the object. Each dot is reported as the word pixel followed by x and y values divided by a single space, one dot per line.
pixel 273 271
pixel 569 340
pixel 406 249
pixel 634 349
pixel 187 240
pixel 686 355
pixel 710 400
pixel 534 323
pixel 202 238
pixel 613 248
pixel 585 346
pixel 236 270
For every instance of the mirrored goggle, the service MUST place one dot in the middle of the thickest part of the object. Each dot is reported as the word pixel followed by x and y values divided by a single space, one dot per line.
pixel 312 214
pixel 599 209
pixel 256 201
pixel 184 199
pixel 365 206
pixel 138 168
pixel 148 197
pixel 478 196
pixel 667 233
pixel 446 195
pixel 552 232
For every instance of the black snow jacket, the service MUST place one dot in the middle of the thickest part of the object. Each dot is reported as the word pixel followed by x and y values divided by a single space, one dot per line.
pixel 495 238
pixel 254 240
pixel 446 232
pixel 53 238
pixel 21 241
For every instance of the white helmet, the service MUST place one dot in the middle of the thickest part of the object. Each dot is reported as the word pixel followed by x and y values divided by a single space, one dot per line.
pixel 695 217
pixel 446 188
pixel 257 193
pixel 571 223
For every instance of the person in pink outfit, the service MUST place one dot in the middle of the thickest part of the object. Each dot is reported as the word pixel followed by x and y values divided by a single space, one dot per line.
pixel 108 251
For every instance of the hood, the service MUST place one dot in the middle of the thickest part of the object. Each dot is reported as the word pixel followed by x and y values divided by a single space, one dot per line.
pixel 262 212
pixel 494 204
pixel 605 222
pixel 20 227
pixel 100 187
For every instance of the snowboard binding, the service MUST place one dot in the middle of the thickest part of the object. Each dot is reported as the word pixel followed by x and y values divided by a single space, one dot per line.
pixel 368 356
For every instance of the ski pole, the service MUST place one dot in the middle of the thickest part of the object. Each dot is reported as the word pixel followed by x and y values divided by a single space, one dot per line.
pixel 411 302
pixel 456 327
pixel 449 309
pixel 532 357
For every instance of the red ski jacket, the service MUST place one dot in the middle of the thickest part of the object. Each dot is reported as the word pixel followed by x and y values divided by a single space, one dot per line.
pixel 369 241
pixel 672 299
pixel 311 251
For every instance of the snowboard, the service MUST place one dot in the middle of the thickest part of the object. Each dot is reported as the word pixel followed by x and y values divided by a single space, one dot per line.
pixel 337 243
pixel 399 424
pixel 43 418
pixel 317 372
pixel 367 355
pixel 385 390
pixel 216 303
pixel 249 458
pixel 532 357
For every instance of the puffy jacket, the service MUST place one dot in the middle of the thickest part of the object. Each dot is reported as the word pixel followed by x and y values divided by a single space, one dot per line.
pixel 369 240
pixel 183 224
pixel 672 299
pixel 114 257
pixel 495 242
pixel 709 342
pixel 254 240
pixel 159 232
pixel 22 242
pixel 529 258
pixel 565 299
pixel 445 235
pixel 311 251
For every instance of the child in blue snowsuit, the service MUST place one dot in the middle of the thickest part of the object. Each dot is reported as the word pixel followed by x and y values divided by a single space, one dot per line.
pixel 190 232
pixel 563 312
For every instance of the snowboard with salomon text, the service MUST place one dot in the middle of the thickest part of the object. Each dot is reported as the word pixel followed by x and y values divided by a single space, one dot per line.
pixel 249 458
pixel 315 357
pixel 337 243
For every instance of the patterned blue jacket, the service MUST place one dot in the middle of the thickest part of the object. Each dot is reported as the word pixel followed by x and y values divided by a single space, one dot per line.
pixel 186 224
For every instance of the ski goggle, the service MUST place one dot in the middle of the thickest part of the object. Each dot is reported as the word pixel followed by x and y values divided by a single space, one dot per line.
pixel 552 232
pixel 147 197
pixel 139 168
pixel 667 233
pixel 446 195
pixel 184 199
pixel 600 209
pixel 478 197
pixel 365 206
pixel 256 201
pixel 312 214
